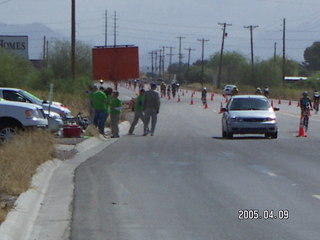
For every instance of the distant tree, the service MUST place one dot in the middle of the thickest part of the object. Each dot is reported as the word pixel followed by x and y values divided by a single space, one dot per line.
pixel 312 57
pixel 235 68
pixel 15 71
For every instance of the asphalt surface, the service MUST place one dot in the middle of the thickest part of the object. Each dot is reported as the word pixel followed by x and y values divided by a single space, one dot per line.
pixel 186 182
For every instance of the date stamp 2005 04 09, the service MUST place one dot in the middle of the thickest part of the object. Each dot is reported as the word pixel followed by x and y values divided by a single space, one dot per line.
pixel 255 214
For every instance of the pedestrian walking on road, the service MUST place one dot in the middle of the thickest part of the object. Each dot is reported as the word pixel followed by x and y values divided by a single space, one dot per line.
pixel 151 106
pixel 115 111
pixel 138 111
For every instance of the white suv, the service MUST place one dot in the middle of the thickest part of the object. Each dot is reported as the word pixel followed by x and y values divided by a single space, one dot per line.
pixel 15 116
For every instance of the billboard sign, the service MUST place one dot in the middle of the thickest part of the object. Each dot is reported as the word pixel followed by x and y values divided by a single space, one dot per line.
pixel 115 63
pixel 16 44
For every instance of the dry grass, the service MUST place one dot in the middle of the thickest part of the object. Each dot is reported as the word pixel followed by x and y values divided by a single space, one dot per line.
pixel 19 159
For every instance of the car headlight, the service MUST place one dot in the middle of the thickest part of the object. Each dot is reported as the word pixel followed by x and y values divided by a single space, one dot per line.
pixel 31 114
pixel 269 119
pixel 236 119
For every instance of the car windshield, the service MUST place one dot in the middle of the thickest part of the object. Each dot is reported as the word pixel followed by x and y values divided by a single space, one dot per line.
pixel 242 104
pixel 29 95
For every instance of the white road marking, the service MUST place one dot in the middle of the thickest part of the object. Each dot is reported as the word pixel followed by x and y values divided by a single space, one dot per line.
pixel 271 174
pixel 316 196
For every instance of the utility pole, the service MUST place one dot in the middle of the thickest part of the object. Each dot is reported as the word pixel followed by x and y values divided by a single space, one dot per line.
pixel 160 63
pixel 163 62
pixel 180 57
pixel 106 29
pixel 202 58
pixel 115 29
pixel 156 61
pixel 189 55
pixel 44 56
pixel 73 39
pixel 251 40
pixel 152 66
pixel 275 56
pixel 170 57
pixel 284 51
pixel 224 34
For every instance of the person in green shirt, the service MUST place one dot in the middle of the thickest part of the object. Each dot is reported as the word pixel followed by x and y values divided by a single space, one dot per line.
pixel 108 93
pixel 98 99
pixel 115 111
pixel 138 111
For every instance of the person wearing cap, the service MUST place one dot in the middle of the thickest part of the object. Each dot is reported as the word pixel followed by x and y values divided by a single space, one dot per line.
pixel 138 111
pixel 151 106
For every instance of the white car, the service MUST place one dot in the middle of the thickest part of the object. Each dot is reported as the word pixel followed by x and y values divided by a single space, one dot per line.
pixel 19 95
pixel 249 114
pixel 227 90
pixel 15 116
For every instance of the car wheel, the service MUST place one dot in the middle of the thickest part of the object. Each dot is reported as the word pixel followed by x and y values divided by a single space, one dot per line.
pixel 224 134
pixel 229 135
pixel 272 135
pixel 7 132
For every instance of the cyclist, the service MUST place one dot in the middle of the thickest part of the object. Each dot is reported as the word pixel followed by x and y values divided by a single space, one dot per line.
pixel 235 91
pixel 204 95
pixel 266 92
pixel 258 91
pixel 306 107
pixel 316 97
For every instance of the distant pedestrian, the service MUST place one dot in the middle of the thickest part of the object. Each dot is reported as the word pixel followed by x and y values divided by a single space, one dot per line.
pixel 138 111
pixel 151 106
pixel 89 93
pixel 108 93
pixel 98 99
pixel 115 111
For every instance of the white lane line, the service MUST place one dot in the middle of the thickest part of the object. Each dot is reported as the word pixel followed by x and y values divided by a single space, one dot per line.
pixel 316 196
pixel 271 174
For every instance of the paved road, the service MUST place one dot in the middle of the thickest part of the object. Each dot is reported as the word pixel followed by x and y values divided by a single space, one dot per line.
pixel 186 182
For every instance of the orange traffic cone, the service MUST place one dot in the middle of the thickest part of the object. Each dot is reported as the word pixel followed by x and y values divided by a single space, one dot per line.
pixel 298 105
pixel 220 107
pixel 179 100
pixel 205 105
pixel 301 129
pixel 279 102
pixel 290 102
pixel 182 93
pixel 191 103
pixel 212 96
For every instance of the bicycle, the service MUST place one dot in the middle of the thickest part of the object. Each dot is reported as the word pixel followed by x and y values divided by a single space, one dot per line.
pixel 305 113
pixel 316 105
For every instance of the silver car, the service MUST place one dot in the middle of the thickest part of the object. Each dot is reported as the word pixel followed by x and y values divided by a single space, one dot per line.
pixel 249 114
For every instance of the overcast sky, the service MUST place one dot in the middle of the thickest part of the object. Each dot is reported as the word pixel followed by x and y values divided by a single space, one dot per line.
pixel 152 24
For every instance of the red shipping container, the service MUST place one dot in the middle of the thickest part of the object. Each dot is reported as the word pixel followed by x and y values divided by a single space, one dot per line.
pixel 115 63
pixel 70 131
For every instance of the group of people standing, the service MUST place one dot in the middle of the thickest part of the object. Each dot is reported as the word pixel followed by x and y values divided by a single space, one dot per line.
pixel 102 104
pixel 105 102
pixel 147 107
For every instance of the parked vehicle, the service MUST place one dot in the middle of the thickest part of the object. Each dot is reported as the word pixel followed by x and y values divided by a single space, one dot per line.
pixel 19 95
pixel 15 116
pixel 249 114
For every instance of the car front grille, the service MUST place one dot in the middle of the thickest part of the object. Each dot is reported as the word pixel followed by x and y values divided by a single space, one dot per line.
pixel 253 119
